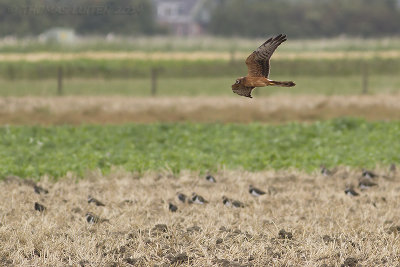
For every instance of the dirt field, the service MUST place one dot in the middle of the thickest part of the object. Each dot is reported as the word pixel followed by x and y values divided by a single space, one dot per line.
pixel 302 220
pixel 116 110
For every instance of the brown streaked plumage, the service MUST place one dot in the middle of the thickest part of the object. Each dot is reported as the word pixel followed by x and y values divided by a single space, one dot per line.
pixel 258 68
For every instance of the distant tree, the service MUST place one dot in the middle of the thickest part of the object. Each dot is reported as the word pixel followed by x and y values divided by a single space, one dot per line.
pixel 27 17
pixel 252 18
pixel 305 18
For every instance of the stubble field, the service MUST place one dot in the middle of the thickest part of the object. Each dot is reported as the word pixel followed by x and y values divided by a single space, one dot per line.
pixel 302 220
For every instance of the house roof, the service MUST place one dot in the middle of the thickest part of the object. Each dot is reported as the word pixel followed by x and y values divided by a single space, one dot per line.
pixel 176 11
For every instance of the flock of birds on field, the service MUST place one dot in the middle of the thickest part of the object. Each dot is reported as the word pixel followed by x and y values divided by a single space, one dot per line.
pixel 197 199
pixel 367 180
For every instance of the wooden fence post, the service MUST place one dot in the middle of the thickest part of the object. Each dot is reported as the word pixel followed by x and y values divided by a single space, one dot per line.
pixel 153 81
pixel 365 78
pixel 60 81
pixel 154 76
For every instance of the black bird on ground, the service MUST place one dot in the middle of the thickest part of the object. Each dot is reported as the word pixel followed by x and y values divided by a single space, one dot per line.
pixel 172 207
pixel 326 172
pixel 198 199
pixel 351 192
pixel 392 168
pixel 365 183
pixel 211 178
pixel 255 191
pixel 91 218
pixel 95 201
pixel 38 189
pixel 369 174
pixel 232 203
pixel 182 197
pixel 39 207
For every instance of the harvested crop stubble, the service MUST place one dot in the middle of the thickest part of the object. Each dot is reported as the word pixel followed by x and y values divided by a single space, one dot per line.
pixel 189 56
pixel 303 220
pixel 116 110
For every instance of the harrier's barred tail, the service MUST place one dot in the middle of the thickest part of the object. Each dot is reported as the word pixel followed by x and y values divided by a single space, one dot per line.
pixel 283 84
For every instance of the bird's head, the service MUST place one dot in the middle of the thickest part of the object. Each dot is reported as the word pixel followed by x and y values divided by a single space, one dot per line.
pixel 238 83
pixel 240 88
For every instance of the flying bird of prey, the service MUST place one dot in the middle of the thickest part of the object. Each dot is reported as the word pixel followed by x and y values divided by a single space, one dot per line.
pixel 258 69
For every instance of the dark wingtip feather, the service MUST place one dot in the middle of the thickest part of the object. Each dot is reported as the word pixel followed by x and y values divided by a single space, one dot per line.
pixel 282 37
pixel 279 38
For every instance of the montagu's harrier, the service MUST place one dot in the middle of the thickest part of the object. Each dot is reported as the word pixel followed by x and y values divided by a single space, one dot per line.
pixel 258 68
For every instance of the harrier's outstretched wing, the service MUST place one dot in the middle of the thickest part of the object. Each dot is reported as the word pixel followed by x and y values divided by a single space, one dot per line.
pixel 258 62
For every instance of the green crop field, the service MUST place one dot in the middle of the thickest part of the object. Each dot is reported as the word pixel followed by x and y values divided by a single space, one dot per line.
pixel 36 151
